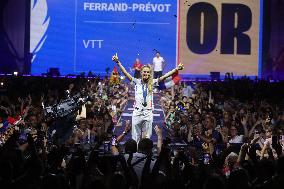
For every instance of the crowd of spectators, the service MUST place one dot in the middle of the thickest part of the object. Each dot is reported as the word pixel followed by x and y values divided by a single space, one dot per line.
pixel 232 131
pixel 231 124
pixel 23 100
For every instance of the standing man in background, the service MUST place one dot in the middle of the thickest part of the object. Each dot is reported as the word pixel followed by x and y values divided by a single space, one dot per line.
pixel 158 65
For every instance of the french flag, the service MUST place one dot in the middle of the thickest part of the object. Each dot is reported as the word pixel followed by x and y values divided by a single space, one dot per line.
pixel 169 82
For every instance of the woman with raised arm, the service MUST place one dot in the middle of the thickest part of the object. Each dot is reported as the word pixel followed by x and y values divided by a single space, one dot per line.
pixel 142 117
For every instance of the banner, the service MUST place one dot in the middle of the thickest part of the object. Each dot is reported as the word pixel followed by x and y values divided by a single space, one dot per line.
pixel 220 36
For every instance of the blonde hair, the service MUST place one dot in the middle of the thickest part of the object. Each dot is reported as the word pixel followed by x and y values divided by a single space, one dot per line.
pixel 150 80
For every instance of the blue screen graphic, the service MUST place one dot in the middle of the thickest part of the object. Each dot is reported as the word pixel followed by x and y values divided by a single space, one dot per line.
pixel 82 35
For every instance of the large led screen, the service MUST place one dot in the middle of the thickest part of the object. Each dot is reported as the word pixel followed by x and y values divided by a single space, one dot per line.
pixel 221 36
pixel 82 35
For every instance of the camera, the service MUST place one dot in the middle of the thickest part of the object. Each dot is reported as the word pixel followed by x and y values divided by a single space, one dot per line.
pixel 206 159
pixel 113 140
pixel 190 118
pixel 40 138
pixel 24 136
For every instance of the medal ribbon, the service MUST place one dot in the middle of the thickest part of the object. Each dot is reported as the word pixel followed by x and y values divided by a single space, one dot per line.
pixel 144 89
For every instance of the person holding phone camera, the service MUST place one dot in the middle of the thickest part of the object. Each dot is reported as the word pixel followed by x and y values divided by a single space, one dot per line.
pixel 212 137
pixel 236 136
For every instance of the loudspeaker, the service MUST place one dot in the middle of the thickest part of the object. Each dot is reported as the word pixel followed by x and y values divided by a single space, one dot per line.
pixel 54 72
pixel 215 75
